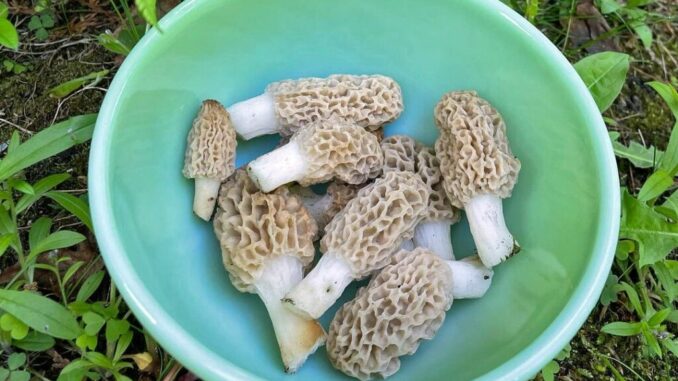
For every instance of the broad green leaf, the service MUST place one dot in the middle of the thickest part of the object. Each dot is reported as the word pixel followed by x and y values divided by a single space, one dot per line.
pixel 604 75
pixel 6 224
pixel 653 233
pixel 99 359
pixel 73 205
pixel 72 270
pixel 671 345
pixel 638 22
pixel 670 206
pixel 40 313
pixel 123 343
pixel 4 11
pixel 550 370
pixel 79 308
pixel 46 20
pixel 39 230
pixel 8 35
pixel 147 10
pixel 116 328
pixel 659 317
pixel 16 360
pixel 110 42
pixel 620 328
pixel 34 23
pixel 89 286
pixel 17 329
pixel 41 187
pixel 650 339
pixel 666 280
pixel 14 141
pixel 4 373
pixel 86 342
pixel 79 366
pixel 93 323
pixel 609 293
pixel 669 94
pixel 636 153
pixel 35 342
pixel 47 143
pixel 5 241
pixel 24 187
pixel 638 3
pixel 531 10
pixel 655 185
pixel 67 88
pixel 608 6
pixel 57 240
pixel 19 375
pixel 672 265
pixel 633 298
pixel 624 248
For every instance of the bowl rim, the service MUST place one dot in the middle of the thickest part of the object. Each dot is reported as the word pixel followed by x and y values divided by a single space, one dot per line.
pixel 209 365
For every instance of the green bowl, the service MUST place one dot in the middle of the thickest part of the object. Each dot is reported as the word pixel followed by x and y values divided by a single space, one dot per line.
pixel 167 264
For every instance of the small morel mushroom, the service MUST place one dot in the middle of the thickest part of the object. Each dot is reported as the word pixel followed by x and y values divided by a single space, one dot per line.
pixel 323 207
pixel 402 305
pixel 210 155
pixel 368 101
pixel 478 169
pixel 433 232
pixel 319 152
pixel 361 239
pixel 266 241
pixel 402 153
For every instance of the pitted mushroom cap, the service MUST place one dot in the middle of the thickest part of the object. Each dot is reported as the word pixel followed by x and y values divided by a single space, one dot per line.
pixel 369 101
pixel 399 153
pixel 402 305
pixel 210 150
pixel 473 150
pixel 337 149
pixel 340 194
pixel 428 167
pixel 374 223
pixel 253 227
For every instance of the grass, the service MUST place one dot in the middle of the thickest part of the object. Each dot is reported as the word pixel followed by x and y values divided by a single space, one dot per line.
pixel 74 48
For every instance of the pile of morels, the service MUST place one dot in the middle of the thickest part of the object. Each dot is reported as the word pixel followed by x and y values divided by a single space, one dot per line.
pixel 386 214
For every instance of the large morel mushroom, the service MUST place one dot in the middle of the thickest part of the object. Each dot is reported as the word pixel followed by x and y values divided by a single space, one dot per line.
pixel 478 169
pixel 368 101
pixel 266 242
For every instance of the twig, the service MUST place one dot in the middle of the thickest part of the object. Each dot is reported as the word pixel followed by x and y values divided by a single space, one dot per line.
pixel 17 127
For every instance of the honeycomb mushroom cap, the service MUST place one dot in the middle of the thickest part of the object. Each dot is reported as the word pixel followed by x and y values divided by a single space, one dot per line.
pixel 340 194
pixel 402 305
pixel 253 227
pixel 376 221
pixel 210 151
pixel 473 150
pixel 399 153
pixel 337 149
pixel 428 167
pixel 303 101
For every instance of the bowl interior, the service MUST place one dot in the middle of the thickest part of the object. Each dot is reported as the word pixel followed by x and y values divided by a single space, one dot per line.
pixel 167 262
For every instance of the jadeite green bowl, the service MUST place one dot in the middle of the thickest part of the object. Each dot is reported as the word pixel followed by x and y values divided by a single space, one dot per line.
pixel 167 264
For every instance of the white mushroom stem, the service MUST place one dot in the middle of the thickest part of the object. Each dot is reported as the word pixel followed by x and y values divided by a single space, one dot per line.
pixel 493 240
pixel 408 245
pixel 318 291
pixel 435 236
pixel 280 166
pixel 254 117
pixel 205 196
pixel 470 279
pixel 298 337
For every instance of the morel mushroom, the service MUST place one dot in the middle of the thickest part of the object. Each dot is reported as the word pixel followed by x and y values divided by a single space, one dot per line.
pixel 319 152
pixel 368 101
pixel 402 305
pixel 323 207
pixel 478 169
pixel 210 155
pixel 266 241
pixel 361 239
pixel 433 232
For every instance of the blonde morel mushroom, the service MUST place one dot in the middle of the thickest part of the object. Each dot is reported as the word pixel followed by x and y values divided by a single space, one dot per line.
pixel 319 152
pixel 403 304
pixel 323 207
pixel 368 101
pixel 266 241
pixel 433 232
pixel 361 239
pixel 210 155
pixel 478 169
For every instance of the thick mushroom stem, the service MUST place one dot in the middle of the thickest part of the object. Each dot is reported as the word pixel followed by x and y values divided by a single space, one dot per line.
pixel 435 236
pixel 470 279
pixel 280 166
pixel 254 117
pixel 298 337
pixel 493 240
pixel 318 291
pixel 205 196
